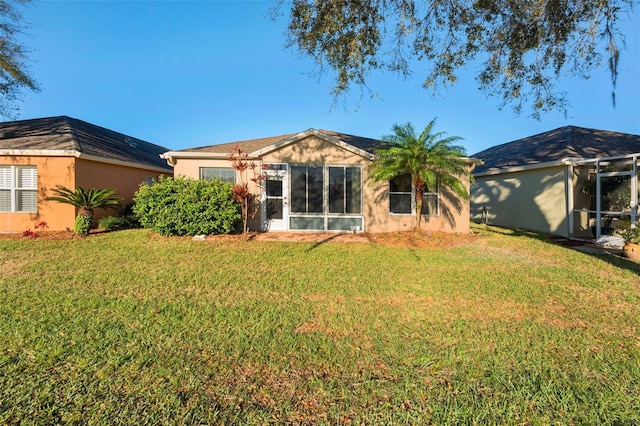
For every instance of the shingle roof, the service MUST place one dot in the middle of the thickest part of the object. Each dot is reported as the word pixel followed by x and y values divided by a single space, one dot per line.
pixel 253 145
pixel 66 133
pixel 555 145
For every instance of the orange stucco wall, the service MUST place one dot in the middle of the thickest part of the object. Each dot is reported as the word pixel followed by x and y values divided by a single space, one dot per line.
pixel 126 180
pixel 52 171
pixel 71 173
pixel 454 212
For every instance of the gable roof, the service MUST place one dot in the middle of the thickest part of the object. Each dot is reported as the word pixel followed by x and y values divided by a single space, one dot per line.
pixel 365 147
pixel 554 146
pixel 66 136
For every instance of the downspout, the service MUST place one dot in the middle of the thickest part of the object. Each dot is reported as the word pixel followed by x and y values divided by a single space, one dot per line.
pixel 598 201
pixel 169 159
pixel 570 200
pixel 634 191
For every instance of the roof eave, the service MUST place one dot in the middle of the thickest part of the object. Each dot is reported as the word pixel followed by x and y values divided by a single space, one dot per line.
pixel 526 167
pixel 40 152
pixel 313 132
pixel 78 154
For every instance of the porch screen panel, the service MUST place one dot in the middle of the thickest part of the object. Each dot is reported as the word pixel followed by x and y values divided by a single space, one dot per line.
pixel 306 189
pixel 298 189
pixel 353 190
pixel 345 190
pixel 336 190
pixel 274 197
pixel 315 190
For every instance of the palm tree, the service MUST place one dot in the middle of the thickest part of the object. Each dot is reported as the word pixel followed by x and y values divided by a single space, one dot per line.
pixel 429 158
pixel 86 201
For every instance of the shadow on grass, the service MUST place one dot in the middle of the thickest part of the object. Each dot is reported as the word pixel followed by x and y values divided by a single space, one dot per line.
pixel 617 261
pixel 321 242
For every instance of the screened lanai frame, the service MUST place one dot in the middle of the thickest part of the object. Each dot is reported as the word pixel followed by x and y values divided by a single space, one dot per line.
pixel 607 168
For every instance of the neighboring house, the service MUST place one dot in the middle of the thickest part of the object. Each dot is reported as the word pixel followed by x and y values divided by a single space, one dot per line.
pixel 36 155
pixel 549 182
pixel 318 180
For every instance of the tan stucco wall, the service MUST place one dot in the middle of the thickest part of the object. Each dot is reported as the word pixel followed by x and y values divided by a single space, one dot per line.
pixel 534 200
pixel 52 171
pixel 190 167
pixel 312 150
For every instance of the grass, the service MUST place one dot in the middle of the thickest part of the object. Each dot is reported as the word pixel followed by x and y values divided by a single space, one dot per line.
pixel 127 328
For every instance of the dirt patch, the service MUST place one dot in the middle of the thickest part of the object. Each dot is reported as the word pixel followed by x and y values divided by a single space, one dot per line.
pixel 420 239
pixel 412 239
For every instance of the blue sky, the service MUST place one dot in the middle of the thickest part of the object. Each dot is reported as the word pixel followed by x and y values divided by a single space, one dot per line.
pixel 185 74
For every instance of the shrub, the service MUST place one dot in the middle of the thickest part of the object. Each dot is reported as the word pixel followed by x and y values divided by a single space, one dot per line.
pixel 184 206
pixel 117 223
pixel 82 224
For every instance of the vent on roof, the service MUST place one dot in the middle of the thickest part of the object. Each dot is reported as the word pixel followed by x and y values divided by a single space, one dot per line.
pixel 131 142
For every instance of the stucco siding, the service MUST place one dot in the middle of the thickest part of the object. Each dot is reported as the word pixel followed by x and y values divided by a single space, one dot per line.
pixel 454 212
pixel 534 200
pixel 52 171
pixel 125 180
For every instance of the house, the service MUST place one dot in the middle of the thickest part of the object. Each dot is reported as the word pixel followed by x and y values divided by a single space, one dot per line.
pixel 36 155
pixel 318 180
pixel 565 182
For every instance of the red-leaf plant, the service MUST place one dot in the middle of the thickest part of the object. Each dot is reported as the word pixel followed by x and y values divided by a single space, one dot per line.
pixel 33 234
pixel 240 192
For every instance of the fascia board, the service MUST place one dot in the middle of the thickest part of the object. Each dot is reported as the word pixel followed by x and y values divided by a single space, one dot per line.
pixel 40 152
pixel 524 168
pixel 123 163
pixel 313 132
pixel 76 154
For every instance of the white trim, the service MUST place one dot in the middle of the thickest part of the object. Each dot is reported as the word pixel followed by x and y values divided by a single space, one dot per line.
pixel 77 154
pixel 573 161
pixel 313 132
pixel 41 152
pixel 524 168
pixel 122 163
pixel 172 156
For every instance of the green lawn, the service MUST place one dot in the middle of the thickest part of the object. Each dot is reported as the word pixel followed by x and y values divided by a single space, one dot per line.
pixel 126 328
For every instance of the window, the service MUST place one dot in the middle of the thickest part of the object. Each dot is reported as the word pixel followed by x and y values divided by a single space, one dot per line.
pixel 431 201
pixel 400 195
pixel 225 174
pixel 345 194
pixel 18 189
pixel 402 201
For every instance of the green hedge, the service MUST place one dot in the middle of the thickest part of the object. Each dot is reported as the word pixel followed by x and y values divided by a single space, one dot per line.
pixel 184 206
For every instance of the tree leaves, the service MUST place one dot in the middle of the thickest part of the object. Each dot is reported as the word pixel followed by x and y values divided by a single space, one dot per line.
pixel 14 75
pixel 523 46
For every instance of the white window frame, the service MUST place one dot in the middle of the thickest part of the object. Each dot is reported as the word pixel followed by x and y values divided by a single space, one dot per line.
pixel 413 203
pixel 10 183
pixel 435 193
pixel 226 170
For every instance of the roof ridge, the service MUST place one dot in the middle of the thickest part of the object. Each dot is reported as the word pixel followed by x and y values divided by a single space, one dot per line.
pixel 72 131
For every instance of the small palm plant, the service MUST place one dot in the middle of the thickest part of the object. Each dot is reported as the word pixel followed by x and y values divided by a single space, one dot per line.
pixel 86 201
pixel 429 158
